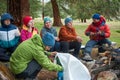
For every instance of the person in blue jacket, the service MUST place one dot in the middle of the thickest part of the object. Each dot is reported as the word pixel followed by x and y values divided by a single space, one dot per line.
pixel 9 37
pixel 49 28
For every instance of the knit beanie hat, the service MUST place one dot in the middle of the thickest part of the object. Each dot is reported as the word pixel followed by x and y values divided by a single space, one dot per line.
pixel 96 16
pixel 67 20
pixel 48 39
pixel 47 20
pixel 26 20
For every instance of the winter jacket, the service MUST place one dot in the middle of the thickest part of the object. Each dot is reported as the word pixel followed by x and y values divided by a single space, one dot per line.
pixel 28 50
pixel 103 28
pixel 67 34
pixel 25 34
pixel 9 34
pixel 51 30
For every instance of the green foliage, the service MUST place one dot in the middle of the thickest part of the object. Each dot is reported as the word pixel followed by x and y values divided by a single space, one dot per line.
pixel 109 8
pixel 83 9
pixel 35 8
pixel 48 9
pixel 3 7
pixel 77 9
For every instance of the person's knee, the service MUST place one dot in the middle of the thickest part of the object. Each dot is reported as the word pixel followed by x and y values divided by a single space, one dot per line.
pixel 64 47
pixel 57 44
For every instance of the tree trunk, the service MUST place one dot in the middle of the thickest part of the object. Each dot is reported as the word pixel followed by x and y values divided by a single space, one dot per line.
pixel 56 14
pixel 43 9
pixel 18 9
pixel 85 21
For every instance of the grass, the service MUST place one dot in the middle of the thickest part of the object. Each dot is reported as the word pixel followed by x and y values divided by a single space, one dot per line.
pixel 80 28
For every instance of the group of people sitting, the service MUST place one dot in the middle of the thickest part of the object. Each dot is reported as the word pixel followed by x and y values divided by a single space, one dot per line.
pixel 29 50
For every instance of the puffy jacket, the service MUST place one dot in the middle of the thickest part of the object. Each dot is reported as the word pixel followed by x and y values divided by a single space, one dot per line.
pixel 103 28
pixel 67 34
pixel 25 34
pixel 28 50
pixel 9 34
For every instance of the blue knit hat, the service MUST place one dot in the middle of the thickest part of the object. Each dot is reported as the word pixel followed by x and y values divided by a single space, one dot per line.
pixel 96 16
pixel 47 19
pixel 48 39
pixel 67 20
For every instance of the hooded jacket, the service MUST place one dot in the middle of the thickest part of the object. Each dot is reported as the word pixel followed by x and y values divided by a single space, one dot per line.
pixel 9 34
pixel 28 50
pixel 96 27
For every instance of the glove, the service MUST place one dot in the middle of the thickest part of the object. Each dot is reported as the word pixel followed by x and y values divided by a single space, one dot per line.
pixel 87 33
pixel 60 75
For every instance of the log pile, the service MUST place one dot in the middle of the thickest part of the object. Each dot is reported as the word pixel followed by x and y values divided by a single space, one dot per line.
pixel 107 62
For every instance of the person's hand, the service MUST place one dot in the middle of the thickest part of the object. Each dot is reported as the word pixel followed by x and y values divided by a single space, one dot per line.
pixel 53 54
pixel 101 33
pixel 92 34
pixel 79 39
pixel 57 39
pixel 30 29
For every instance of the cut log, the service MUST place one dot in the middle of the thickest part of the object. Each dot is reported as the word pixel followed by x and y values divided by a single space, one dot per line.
pixel 106 75
pixel 102 68
pixel 46 75
pixel 5 73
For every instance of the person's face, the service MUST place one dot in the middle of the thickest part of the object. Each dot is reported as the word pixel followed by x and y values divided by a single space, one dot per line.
pixel 47 48
pixel 96 20
pixel 69 24
pixel 7 22
pixel 48 24
pixel 31 23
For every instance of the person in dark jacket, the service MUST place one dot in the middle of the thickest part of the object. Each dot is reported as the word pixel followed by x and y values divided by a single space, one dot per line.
pixel 9 37
pixel 49 28
pixel 98 33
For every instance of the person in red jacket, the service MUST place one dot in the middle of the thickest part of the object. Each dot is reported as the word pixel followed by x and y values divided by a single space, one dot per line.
pixel 98 33
pixel 69 38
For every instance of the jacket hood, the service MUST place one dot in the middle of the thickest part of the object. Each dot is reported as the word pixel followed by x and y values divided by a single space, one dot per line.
pixel 101 22
pixel 6 16
pixel 36 39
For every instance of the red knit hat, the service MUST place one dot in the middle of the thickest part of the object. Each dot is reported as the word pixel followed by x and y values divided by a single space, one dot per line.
pixel 26 20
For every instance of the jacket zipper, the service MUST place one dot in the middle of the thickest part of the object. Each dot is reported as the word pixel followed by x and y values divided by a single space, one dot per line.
pixel 7 37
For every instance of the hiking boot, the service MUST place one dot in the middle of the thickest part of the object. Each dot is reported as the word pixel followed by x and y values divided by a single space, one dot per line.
pixel 87 57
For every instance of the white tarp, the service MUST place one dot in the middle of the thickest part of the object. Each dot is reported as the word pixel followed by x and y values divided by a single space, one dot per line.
pixel 73 68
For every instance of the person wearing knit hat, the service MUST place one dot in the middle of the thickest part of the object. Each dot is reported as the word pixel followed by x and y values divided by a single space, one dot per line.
pixel 26 20
pixel 49 28
pixel 69 38
pixel 96 16
pixel 32 55
pixel 47 19
pixel 28 29
pixel 67 20
pixel 98 32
